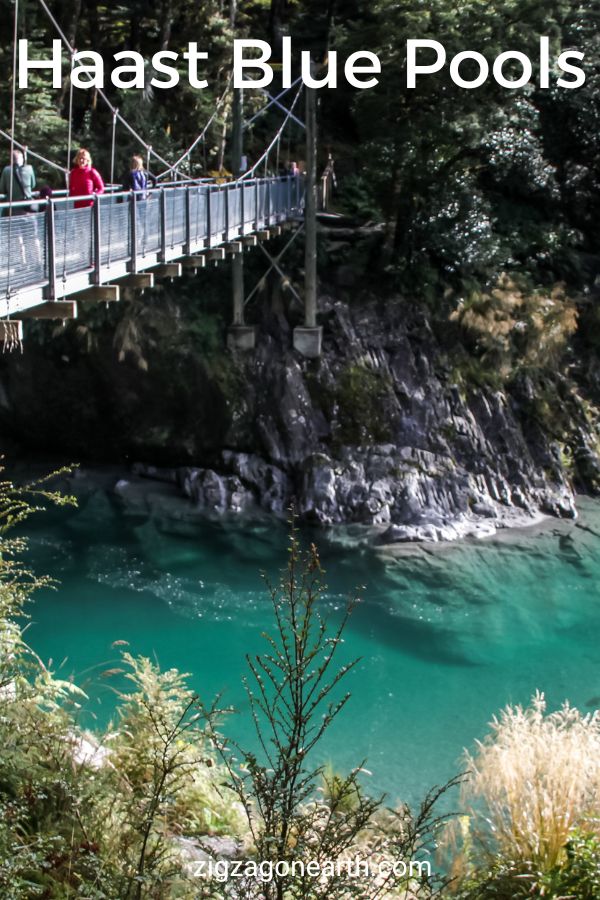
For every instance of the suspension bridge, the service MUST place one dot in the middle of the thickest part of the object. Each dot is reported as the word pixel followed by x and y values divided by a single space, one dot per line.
pixel 61 252
pixel 55 252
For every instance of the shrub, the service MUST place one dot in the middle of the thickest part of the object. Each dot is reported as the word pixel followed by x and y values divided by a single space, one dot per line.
pixel 300 812
pixel 512 326
pixel 109 824
pixel 532 800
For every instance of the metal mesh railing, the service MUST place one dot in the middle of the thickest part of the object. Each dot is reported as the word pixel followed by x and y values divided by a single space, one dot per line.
pixel 54 249
pixel 249 204
pixel 23 252
pixel 175 224
pixel 73 231
pixel 235 211
pixel 115 231
pixel 217 216
pixel 263 210
pixel 198 208
pixel 148 215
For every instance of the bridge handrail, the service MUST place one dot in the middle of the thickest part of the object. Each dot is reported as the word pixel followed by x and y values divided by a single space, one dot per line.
pixel 59 249
pixel 60 194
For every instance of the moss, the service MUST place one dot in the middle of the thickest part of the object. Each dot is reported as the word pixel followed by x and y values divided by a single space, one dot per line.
pixel 475 373
pixel 321 395
pixel 362 399
pixel 449 431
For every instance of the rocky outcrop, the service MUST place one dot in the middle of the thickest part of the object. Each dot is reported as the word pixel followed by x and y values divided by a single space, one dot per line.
pixel 374 434
pixel 379 432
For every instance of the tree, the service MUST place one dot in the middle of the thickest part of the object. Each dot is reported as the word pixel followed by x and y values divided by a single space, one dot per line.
pixel 295 691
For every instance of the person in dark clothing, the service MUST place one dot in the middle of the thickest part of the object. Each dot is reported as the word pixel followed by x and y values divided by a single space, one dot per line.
pixel 138 179
pixel 23 182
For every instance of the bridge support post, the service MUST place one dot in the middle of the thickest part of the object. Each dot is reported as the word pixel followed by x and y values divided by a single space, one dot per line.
pixel 240 336
pixel 308 338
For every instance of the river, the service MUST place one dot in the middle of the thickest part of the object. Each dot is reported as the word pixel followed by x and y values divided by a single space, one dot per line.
pixel 446 636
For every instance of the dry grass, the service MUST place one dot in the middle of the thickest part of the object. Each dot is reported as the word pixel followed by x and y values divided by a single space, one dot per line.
pixel 533 780
pixel 511 325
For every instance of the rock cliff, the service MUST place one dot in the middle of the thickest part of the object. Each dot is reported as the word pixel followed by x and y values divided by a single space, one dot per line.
pixel 378 432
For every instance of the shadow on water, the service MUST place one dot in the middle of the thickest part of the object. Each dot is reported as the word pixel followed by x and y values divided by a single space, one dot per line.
pixel 401 634
pixel 524 611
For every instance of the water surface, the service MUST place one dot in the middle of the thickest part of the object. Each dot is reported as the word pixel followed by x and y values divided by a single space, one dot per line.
pixel 445 638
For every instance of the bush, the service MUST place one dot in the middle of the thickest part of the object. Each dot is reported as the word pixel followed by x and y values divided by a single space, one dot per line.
pixel 533 807
pixel 513 326
pixel 104 818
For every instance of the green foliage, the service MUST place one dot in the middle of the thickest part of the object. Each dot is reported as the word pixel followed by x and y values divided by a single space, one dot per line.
pixel 580 873
pixel 476 182
pixel 103 817
pixel 294 698
pixel 577 877
pixel 78 816
pixel 360 398
pixel 168 779
pixel 356 198
pixel 297 811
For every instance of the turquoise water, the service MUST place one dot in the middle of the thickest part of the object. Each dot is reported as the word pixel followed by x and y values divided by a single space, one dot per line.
pixel 445 638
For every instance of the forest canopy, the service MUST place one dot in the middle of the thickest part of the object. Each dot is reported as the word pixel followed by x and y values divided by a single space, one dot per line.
pixel 470 183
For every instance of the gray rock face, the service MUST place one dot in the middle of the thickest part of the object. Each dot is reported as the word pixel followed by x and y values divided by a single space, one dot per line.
pixel 375 433
pixel 215 493
pixel 379 432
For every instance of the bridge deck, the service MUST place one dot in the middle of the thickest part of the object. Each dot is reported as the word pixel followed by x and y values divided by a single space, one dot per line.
pixel 59 250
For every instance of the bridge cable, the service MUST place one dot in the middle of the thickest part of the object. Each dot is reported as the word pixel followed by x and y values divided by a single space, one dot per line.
pixel 70 131
pixel 265 155
pixel 65 209
pixel 272 100
pixel 112 181
pixel 274 261
pixel 202 135
pixel 104 97
pixel 30 152
pixel 13 113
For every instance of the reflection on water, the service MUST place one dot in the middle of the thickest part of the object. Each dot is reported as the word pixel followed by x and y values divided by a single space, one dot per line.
pixel 446 637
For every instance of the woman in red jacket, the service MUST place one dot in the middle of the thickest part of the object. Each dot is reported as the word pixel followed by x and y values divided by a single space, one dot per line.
pixel 83 179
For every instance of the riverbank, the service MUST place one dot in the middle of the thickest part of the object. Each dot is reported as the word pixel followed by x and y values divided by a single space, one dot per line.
pixel 158 494
pixel 388 431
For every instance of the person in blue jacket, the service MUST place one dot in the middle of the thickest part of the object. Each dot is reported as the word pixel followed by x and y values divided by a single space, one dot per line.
pixel 138 179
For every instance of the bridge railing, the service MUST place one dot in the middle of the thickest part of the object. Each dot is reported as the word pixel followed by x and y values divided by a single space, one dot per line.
pixel 66 244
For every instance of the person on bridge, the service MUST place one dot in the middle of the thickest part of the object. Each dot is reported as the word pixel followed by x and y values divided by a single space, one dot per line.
pixel 84 180
pixel 23 182
pixel 138 179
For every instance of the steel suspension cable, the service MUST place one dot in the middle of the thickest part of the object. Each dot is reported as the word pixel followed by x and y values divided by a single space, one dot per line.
pixel 277 137
pixel 13 114
pixel 70 132
pixel 65 211
pixel 30 152
pixel 112 180
pixel 202 135
pixel 102 94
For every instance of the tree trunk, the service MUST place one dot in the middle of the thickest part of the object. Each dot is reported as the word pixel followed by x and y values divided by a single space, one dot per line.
pixel 166 24
pixel 276 21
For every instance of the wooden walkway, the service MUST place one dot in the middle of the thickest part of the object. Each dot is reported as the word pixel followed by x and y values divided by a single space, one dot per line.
pixel 60 252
